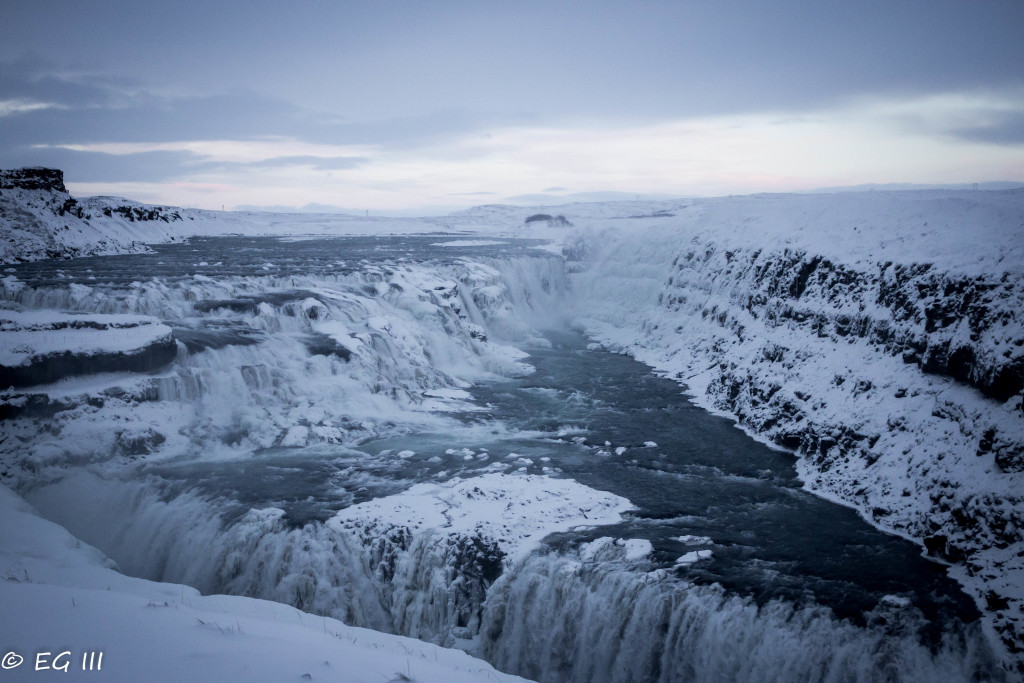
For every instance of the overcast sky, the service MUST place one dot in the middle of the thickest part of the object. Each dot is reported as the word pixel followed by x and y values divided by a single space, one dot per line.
pixel 427 106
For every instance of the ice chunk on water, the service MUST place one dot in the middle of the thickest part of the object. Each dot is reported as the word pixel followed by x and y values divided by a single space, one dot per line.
pixel 650 444
pixel 589 550
pixel 693 557
pixel 636 548
pixel 690 539
pixel 608 548
pixel 894 601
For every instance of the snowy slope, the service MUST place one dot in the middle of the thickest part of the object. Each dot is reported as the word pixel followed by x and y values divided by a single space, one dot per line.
pixel 39 219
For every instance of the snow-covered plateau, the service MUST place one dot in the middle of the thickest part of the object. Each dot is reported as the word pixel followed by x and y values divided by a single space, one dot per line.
pixel 317 420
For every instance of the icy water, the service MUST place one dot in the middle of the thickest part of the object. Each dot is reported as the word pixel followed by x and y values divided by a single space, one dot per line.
pixel 224 257
pixel 602 419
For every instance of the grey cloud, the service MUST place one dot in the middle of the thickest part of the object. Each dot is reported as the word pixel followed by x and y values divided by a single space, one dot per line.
pixel 318 163
pixel 600 58
pixel 99 167
pixel 96 110
pixel 1006 129
pixel 155 166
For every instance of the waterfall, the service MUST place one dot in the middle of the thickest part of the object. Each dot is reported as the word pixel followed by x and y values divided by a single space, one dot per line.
pixel 558 619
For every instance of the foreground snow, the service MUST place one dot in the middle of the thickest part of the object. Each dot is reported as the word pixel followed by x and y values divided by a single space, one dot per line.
pixel 60 595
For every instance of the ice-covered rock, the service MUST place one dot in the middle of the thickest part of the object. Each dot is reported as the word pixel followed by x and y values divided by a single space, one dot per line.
pixel 693 557
pixel 42 347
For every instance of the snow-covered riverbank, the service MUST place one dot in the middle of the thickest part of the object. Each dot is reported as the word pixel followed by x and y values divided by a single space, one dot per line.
pixel 879 335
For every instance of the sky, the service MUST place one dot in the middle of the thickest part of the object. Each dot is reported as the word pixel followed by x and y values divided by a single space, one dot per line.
pixel 425 107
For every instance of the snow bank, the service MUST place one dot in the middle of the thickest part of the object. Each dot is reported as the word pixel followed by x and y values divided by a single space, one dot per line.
pixel 61 595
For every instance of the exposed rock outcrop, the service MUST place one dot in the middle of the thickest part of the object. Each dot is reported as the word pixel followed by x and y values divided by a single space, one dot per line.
pixel 39 219
pixel 42 347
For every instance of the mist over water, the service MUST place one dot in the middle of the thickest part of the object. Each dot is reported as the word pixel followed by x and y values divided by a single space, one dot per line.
pixel 316 375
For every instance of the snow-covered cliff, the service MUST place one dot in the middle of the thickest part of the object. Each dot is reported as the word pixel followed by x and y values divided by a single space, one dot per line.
pixel 39 219
pixel 878 335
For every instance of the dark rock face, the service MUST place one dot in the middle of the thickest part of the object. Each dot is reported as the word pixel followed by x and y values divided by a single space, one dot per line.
pixel 52 367
pixel 944 323
pixel 247 306
pixel 27 403
pixel 38 178
pixel 319 344
pixel 560 221
pixel 135 214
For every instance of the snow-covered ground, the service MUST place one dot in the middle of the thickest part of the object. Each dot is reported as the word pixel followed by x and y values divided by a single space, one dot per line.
pixel 879 335
pixel 39 219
